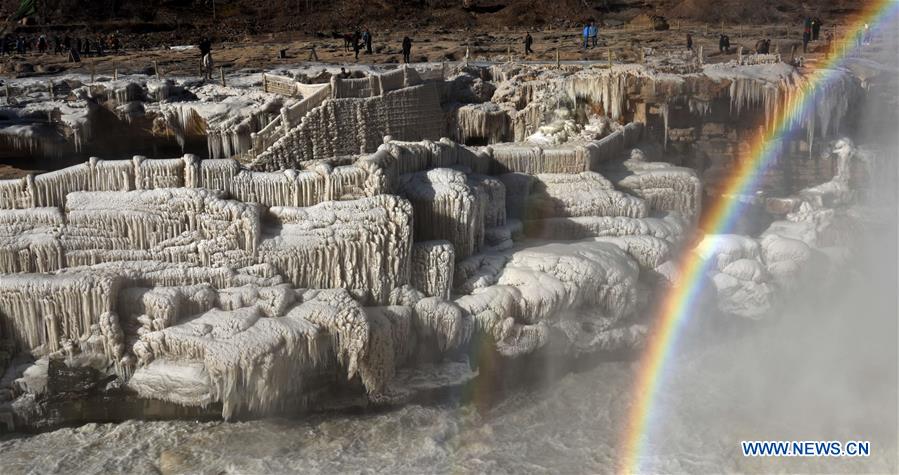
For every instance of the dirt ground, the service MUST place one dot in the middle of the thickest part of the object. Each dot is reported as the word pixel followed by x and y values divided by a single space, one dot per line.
pixel 430 45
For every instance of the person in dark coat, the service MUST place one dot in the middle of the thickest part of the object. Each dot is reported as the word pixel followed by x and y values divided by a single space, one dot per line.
pixel 806 37
pixel 816 28
pixel 366 37
pixel 357 44
pixel 205 47
pixel 689 42
pixel 528 41
pixel 407 49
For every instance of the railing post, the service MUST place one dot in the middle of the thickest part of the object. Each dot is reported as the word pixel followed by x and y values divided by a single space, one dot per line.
pixel 285 120
pixel 264 83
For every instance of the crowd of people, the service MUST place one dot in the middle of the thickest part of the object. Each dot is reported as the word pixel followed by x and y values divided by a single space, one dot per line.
pixel 75 48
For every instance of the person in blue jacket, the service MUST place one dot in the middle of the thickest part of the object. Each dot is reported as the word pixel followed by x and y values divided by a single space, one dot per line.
pixel 586 35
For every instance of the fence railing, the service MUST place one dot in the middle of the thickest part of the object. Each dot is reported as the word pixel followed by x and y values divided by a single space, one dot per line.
pixel 289 118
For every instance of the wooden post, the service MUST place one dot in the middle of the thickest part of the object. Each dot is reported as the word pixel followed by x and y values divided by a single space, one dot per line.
pixel 509 51
pixel 115 72
pixel 701 59
pixel 467 55
pixel 222 73
pixel 156 69
pixel 264 83
pixel 50 90
pixel 558 59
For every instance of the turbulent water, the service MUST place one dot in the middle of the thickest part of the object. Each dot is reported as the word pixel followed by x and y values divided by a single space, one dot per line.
pixel 824 371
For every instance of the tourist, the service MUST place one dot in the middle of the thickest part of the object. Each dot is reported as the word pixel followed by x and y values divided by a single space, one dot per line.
pixel 357 44
pixel 74 55
pixel 366 37
pixel 594 33
pixel 721 48
pixel 407 49
pixel 586 35
pixel 42 44
pixel 806 36
pixel 205 47
pixel 689 42
pixel 528 41
pixel 344 74
pixel 816 28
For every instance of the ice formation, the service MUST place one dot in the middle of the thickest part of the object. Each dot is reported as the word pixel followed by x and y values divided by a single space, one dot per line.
pixel 335 242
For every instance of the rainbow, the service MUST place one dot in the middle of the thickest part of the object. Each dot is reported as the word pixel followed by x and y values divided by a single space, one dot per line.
pixel 677 305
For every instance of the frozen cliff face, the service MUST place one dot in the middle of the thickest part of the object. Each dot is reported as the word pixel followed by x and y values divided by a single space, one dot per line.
pixel 583 194
pixel 29 240
pixel 670 227
pixel 518 295
pixel 752 274
pixel 446 207
pixel 432 268
pixel 738 274
pixel 663 186
pixel 363 244
pixel 176 225
pixel 258 362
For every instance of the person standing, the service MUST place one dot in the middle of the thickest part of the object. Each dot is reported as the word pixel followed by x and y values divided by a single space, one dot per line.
pixel 816 28
pixel 806 37
pixel 42 44
pixel 528 41
pixel 594 34
pixel 407 49
pixel 586 35
pixel 205 47
pixel 357 44
pixel 366 37
pixel 689 42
